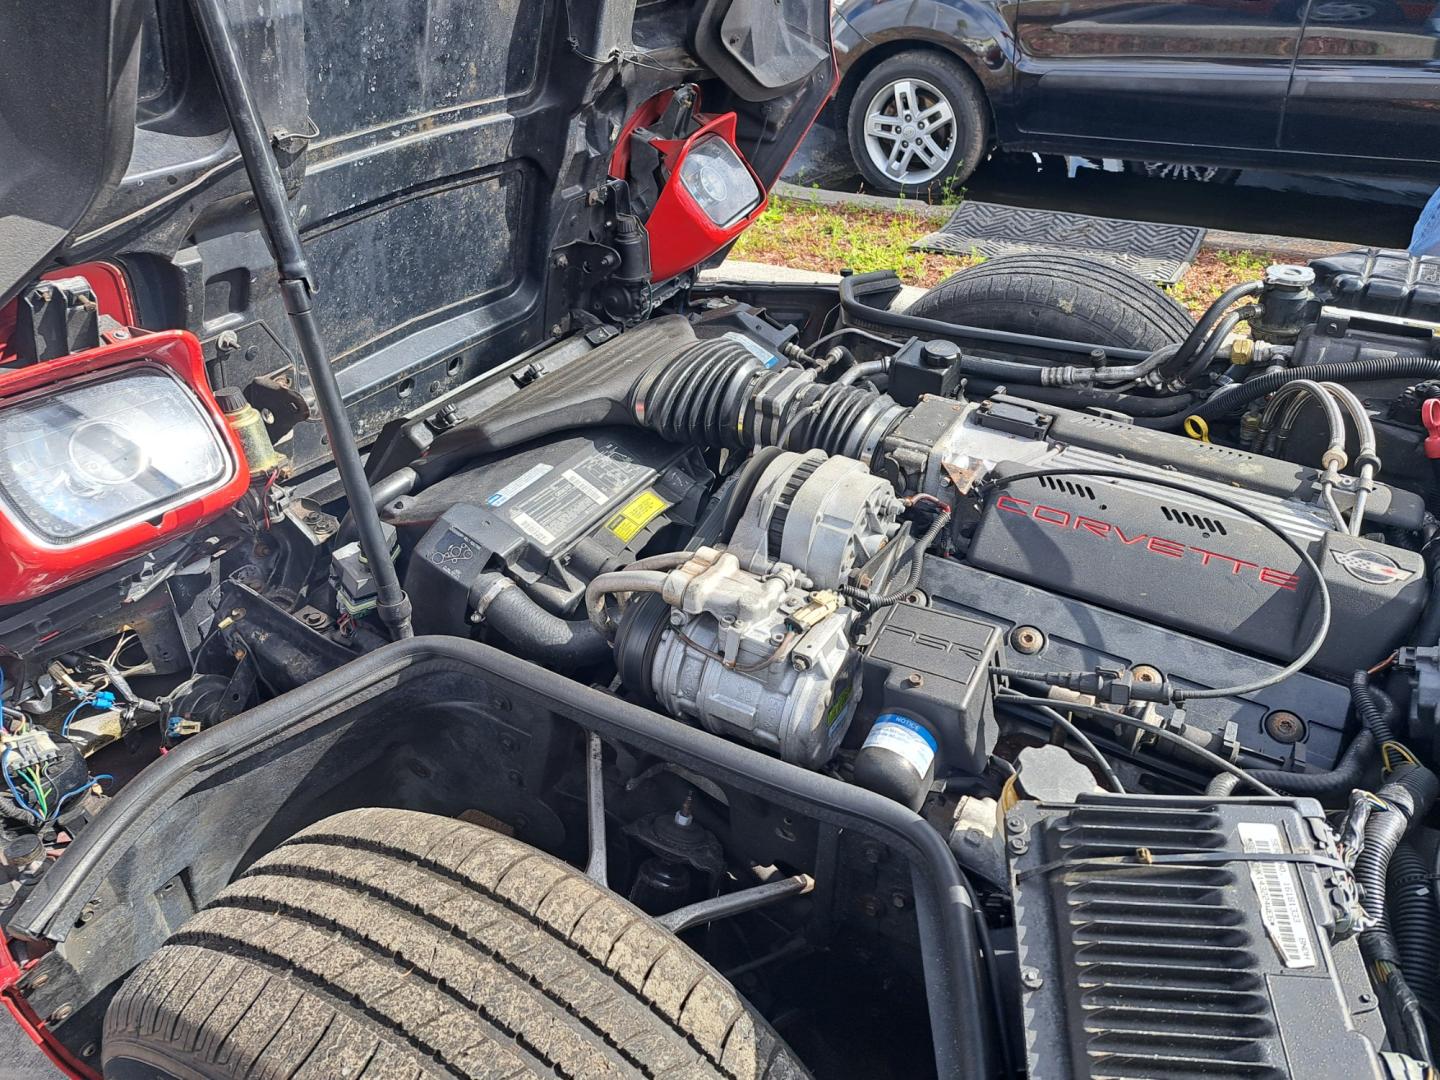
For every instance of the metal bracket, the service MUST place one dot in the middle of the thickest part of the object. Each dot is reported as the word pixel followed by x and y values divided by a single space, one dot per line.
pixel 595 869
pixel 736 903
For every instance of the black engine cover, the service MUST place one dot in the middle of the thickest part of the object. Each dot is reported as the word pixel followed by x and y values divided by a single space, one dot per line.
pixel 1194 566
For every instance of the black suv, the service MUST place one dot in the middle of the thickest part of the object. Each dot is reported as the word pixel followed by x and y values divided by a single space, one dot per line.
pixel 1332 86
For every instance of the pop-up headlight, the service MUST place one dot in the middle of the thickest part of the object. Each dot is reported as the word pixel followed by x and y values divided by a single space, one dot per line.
pixel 105 454
pixel 93 456
pixel 718 181
pixel 711 195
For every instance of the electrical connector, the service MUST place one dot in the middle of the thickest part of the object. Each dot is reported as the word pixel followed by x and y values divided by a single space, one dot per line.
pixel 32 749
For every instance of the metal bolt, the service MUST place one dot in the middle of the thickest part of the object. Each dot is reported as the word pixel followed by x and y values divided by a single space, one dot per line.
pixel 1284 726
pixel 915 679
pixel 1146 674
pixel 39 981
pixel 1014 825
pixel 62 1013
pixel 1027 640
pixel 899 901
pixel 1019 845
pixel 228 341
pixel 869 906
pixel 1031 978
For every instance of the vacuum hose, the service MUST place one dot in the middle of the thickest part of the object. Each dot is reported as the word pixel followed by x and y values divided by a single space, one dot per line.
pixel 1229 401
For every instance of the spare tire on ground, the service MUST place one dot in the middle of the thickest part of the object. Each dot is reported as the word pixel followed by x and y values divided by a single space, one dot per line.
pixel 1059 296
pixel 387 943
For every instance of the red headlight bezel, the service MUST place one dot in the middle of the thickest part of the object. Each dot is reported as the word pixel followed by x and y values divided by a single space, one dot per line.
pixel 682 235
pixel 30 566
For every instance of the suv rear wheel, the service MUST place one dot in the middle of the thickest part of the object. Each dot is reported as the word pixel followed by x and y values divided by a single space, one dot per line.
pixel 917 120
pixel 388 943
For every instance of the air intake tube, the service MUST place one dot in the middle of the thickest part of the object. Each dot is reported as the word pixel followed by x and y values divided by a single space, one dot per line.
pixel 717 393
pixel 710 393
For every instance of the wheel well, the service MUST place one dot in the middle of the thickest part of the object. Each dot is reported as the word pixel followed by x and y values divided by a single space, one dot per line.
pixel 873 58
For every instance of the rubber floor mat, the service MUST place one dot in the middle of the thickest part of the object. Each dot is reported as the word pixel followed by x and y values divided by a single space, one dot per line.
pixel 1159 252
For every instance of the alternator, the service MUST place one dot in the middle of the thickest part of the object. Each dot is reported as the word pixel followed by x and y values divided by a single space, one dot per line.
pixel 756 657
pixel 820 514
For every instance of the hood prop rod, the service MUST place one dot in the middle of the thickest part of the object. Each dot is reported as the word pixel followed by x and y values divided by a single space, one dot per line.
pixel 297 287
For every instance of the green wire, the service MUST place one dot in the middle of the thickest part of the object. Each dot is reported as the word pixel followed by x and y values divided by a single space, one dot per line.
pixel 34 781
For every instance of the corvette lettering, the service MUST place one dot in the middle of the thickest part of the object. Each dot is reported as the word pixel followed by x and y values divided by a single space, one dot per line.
pixel 1155 545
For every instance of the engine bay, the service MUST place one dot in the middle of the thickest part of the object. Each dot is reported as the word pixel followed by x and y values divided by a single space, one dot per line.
pixel 1165 684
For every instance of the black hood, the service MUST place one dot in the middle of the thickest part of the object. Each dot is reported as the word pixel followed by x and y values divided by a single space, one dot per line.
pixel 438 152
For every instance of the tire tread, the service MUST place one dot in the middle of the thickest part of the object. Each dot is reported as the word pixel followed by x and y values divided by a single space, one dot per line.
pixel 386 943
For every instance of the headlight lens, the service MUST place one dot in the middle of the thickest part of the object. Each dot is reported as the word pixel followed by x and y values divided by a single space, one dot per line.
pixel 718 181
pixel 119 449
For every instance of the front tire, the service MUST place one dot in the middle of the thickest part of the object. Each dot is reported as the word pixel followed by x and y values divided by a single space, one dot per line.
pixel 917 121
pixel 387 943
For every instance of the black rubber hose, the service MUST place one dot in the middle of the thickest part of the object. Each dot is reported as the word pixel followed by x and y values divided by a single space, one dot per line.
pixel 1347 775
pixel 1368 709
pixel 1427 630
pixel 1092 397
pixel 1233 399
pixel 1206 356
pixel 1416 923
pixel 560 644
pixel 1201 332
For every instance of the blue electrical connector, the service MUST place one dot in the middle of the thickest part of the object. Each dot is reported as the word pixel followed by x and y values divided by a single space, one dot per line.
pixel 105 699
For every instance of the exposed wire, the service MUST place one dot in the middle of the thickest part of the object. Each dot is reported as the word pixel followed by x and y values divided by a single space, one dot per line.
pixel 90 783
pixel 65 724
pixel 1057 720
pixel 1107 715
pixel 14 791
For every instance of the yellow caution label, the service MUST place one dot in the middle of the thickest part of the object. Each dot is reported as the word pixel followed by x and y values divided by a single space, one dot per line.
pixel 635 515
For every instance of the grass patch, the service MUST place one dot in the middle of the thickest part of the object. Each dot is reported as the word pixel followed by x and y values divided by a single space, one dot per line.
pixel 808 236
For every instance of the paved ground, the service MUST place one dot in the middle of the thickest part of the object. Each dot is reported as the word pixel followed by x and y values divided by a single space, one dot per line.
pixel 21 1059
pixel 1353 212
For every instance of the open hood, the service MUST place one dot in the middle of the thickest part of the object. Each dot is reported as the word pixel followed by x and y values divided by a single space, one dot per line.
pixel 444 160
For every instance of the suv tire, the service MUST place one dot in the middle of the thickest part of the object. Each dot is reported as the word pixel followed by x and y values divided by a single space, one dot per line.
pixel 382 943
pixel 948 129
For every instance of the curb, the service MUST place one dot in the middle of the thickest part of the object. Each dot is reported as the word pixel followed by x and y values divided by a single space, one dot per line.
pixel 749 273
pixel 1296 248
